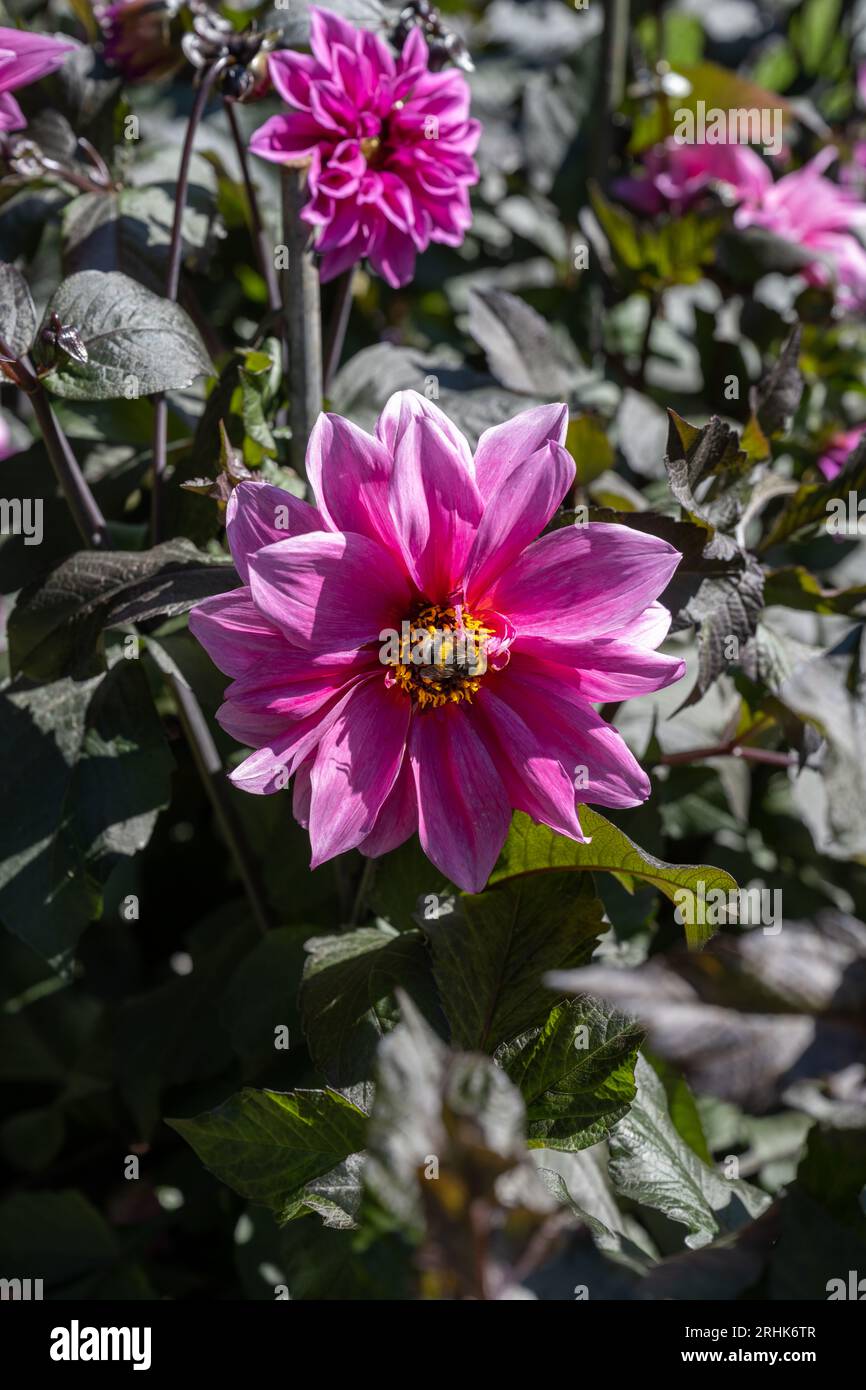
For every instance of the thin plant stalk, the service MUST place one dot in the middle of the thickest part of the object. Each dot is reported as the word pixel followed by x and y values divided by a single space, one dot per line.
pixel 264 248
pixel 339 322
pixel 172 282
pixel 303 318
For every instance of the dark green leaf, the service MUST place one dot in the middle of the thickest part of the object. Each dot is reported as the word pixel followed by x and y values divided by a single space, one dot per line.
pixel 267 1144
pixel 137 343
pixel 576 1073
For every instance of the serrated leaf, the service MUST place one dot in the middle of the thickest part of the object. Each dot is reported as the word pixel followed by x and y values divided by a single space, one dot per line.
pixel 345 977
pixel 650 1164
pixel 137 343
pixel 576 1073
pixel 536 850
pixel 490 953
pixel 267 1145
pixel 57 621
pixel 775 399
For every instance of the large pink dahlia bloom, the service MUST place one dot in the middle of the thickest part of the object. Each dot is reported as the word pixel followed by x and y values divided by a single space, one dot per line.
pixel 409 528
pixel 24 58
pixel 388 146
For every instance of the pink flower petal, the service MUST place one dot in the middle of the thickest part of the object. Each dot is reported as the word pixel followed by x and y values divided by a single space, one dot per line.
pixel 403 408
pixel 259 514
pixel 463 808
pixel 592 752
pixel 329 592
pixel 349 472
pixel 536 781
pixel 355 768
pixel 436 507
pixel 584 581
pixel 520 511
pixel 606 668
pixel 398 817
pixel 503 447
pixel 235 635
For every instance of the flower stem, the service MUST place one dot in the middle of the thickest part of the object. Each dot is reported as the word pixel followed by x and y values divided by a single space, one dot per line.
pixel 264 249
pixel 86 512
pixel 303 315
pixel 614 58
pixel 172 281
pixel 749 753
pixel 337 325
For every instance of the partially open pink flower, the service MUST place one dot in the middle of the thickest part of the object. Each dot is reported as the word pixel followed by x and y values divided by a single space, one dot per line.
pixel 810 210
pixel 387 144
pixel 835 454
pixel 675 175
pixel 409 528
pixel 24 58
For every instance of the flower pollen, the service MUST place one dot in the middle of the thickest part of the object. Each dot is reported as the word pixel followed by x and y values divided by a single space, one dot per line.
pixel 442 656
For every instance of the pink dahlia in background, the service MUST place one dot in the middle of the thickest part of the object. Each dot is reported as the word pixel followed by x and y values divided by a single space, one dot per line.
pixel 387 144
pixel 24 58
pixel 413 535
pixel 817 215
pixel 675 175
pixel 836 452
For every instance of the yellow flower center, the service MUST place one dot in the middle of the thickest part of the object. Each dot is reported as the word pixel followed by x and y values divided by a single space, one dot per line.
pixel 441 656
pixel 369 146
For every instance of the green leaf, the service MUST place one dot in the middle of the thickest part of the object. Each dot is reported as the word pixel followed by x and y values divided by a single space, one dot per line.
pixel 489 955
pixel 17 314
pixel 345 977
pixel 576 1073
pixel 589 446
pixel 775 399
pixel 57 622
pixel 652 1165
pixel 268 1144
pixel 795 587
pixel 717 87
pixel 535 849
pixel 90 774
pixel 815 30
pixel 137 343
pixel 61 1238
pixel 129 230
pixel 260 381
pixel 523 352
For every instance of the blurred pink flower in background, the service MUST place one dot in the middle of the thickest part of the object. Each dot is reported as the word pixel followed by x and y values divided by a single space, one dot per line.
pixel 24 58
pixel 387 144
pixel 410 527
pixel 675 175
pixel 803 207
pixel 816 214
pixel 835 455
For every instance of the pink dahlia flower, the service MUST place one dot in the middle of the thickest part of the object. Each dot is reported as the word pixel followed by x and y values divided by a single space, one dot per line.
pixel 409 528
pixel 810 210
pixel 387 144
pixel 676 175
pixel 835 454
pixel 24 58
